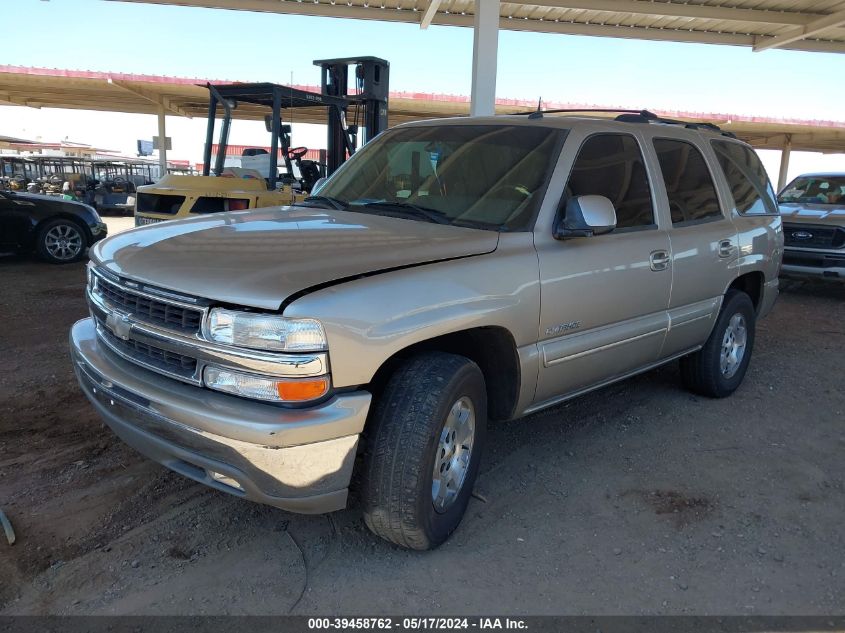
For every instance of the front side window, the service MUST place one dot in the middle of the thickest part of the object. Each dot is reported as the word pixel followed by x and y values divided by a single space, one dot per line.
pixel 483 176
pixel 611 165
pixel 752 192
pixel 815 190
pixel 689 185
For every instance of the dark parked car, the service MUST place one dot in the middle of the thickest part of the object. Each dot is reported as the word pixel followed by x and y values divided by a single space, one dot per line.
pixel 58 230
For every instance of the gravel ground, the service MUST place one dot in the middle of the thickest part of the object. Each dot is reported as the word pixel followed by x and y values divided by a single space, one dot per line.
pixel 637 499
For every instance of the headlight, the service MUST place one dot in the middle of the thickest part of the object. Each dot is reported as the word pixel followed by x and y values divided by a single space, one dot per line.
pixel 265 387
pixel 265 331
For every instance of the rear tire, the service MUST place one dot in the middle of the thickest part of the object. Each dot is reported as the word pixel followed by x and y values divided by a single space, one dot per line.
pixel 61 241
pixel 718 368
pixel 425 442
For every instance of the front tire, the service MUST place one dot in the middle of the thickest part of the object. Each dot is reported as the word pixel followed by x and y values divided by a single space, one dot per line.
pixel 61 241
pixel 718 368
pixel 424 447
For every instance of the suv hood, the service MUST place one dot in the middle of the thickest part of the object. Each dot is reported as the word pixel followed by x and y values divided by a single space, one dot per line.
pixel 809 213
pixel 260 258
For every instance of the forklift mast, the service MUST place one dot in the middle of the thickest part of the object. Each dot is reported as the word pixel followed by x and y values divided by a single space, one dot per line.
pixel 372 76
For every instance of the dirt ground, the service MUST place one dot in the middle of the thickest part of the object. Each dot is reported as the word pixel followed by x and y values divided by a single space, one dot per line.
pixel 637 499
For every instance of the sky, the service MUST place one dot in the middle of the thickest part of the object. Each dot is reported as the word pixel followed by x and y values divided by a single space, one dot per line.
pixel 238 45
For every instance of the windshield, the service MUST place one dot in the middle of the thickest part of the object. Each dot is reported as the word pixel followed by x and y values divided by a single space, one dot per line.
pixel 485 176
pixel 815 189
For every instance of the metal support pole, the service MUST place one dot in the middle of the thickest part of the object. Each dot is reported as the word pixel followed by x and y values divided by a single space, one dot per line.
pixel 276 128
pixel 209 135
pixel 784 161
pixel 485 45
pixel 162 142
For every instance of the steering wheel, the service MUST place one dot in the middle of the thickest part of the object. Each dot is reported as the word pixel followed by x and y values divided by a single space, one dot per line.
pixel 55 179
pixel 20 179
pixel 119 180
pixel 295 153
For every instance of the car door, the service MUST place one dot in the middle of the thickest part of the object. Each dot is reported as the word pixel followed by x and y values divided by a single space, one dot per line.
pixel 14 220
pixel 603 298
pixel 703 239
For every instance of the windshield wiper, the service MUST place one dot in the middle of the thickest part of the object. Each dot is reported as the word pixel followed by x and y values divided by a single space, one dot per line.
pixel 432 215
pixel 336 203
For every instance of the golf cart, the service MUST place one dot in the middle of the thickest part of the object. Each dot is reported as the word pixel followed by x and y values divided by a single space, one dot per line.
pixel 115 183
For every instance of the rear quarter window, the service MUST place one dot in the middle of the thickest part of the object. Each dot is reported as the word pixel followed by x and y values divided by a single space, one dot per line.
pixel 749 184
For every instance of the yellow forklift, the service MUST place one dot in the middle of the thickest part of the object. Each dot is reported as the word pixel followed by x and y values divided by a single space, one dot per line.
pixel 257 181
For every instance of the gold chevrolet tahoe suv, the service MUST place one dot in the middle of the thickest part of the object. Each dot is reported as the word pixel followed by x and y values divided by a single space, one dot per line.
pixel 451 273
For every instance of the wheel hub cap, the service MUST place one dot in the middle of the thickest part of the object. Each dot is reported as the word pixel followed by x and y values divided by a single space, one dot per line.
pixel 63 242
pixel 453 454
pixel 733 346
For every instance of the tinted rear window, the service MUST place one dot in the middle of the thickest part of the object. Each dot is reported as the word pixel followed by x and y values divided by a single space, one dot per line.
pixel 750 187
pixel 689 185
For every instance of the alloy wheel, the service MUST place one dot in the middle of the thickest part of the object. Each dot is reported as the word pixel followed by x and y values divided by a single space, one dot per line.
pixel 63 242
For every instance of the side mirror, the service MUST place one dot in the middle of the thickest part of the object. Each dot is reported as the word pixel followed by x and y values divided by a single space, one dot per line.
pixel 586 216
pixel 318 185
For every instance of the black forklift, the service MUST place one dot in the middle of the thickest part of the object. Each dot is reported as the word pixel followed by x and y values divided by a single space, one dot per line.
pixel 353 113
pixel 361 110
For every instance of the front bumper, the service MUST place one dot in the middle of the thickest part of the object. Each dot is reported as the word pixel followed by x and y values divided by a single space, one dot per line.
pixel 99 231
pixel 813 263
pixel 295 459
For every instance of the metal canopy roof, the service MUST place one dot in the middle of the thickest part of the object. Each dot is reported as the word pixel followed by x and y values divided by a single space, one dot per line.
pixel 262 94
pixel 145 94
pixel 806 25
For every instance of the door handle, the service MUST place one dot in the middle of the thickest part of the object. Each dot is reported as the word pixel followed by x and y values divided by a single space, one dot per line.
pixel 726 248
pixel 659 260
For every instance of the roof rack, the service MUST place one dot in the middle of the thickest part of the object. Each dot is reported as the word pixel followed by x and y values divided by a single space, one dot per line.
pixel 644 116
pixel 632 116
pixel 539 112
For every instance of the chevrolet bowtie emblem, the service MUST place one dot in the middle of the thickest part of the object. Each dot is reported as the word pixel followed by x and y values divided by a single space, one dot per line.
pixel 119 324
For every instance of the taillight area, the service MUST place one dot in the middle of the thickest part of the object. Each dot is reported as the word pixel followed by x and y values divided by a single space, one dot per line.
pixel 236 204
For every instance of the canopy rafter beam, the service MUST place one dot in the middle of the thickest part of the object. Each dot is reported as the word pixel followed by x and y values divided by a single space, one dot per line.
pixel 681 10
pixel 811 29
pixel 162 102
pixel 430 12
pixel 11 99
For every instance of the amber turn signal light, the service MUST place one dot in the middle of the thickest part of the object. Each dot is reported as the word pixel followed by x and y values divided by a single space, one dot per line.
pixel 302 390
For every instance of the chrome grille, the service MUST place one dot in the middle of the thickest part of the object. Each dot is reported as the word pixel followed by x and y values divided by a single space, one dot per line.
pixel 809 236
pixel 149 355
pixel 145 308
